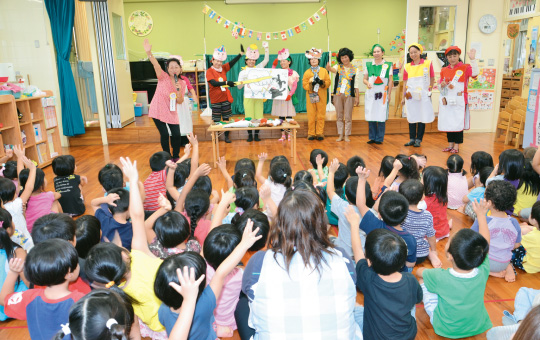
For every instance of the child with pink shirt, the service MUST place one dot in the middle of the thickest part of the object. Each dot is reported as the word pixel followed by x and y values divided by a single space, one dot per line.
pixel 41 202
pixel 457 182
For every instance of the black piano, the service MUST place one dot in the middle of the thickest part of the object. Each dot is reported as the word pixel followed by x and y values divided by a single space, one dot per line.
pixel 143 76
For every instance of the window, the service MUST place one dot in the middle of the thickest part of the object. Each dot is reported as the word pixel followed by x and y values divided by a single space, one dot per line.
pixel 118 31
pixel 436 27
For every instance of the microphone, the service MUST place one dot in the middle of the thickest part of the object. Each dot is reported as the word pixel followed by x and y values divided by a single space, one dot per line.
pixel 176 81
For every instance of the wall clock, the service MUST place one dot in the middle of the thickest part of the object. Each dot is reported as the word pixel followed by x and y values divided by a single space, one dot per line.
pixel 487 24
pixel 140 23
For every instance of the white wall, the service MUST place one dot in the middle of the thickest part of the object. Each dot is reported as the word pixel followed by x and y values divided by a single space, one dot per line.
pixel 22 24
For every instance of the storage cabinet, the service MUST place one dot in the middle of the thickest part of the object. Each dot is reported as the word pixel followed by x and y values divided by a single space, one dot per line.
pixel 30 122
pixel 196 78
pixel 511 87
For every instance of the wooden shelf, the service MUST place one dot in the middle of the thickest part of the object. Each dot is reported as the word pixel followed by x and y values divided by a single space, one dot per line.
pixel 52 127
pixel 25 123
pixel 6 128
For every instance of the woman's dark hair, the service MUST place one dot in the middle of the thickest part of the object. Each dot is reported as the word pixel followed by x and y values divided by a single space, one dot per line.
pixel 89 316
pixel 387 165
pixel 87 233
pixel 480 159
pixel 246 198
pixel 260 220
pixel 23 178
pixel 350 192
pixel 318 61
pixel 166 273
pixel 244 178
pixel 171 229
pixel 468 248
pixel 303 175
pixel 5 240
pixel 104 263
pixel 511 163
pixel 422 55
pixel 386 251
pixel 181 174
pixel 244 164
pixel 300 227
pixel 111 176
pixel 313 156
pixel 353 163
pixel 452 52
pixel 50 261
pixel 344 52
pixel 121 204
pixel 158 160
pixel 172 60
pixel 7 190
pixel 413 190
pixel 530 181
pixel 220 243
pixel 10 170
pixel 502 195
pixel 436 183
pixel 455 164
pixel 289 59
pixel 280 173
pixel 203 183
pixel 196 205
pixel 409 170
pixel 528 328
pixel 64 165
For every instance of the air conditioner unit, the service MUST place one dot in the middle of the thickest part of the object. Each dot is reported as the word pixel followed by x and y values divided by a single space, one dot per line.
pixel 253 2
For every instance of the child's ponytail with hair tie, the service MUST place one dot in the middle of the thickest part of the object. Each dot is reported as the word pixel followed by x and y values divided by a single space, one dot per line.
pixel 109 284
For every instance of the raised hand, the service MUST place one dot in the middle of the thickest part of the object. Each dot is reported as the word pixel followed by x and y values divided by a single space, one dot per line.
pixel 18 150
pixel 480 207
pixel 472 54
pixel 187 150
pixel 397 164
pixel 129 169
pixel 352 217
pixel 147 46
pixel 16 265
pixel 9 153
pixel 228 197
pixel 188 287
pixel 263 156
pixel 170 164
pixel 203 170
pixel 28 163
pixel 111 198
pixel 362 173
pixel 250 236
pixel 319 160
pixel 192 139
pixel 164 202
pixel 222 162
pixel 333 166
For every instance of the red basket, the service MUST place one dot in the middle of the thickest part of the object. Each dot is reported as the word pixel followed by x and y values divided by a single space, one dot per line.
pixel 3 79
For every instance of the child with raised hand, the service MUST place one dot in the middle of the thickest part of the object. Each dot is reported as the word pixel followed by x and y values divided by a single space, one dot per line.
pixel 113 267
pixel 339 206
pixel 390 296
pixel 168 232
pixel 40 202
pixel 9 250
pixel 319 159
pixel 435 181
pixel 340 176
pixel 280 177
pixel 202 327
pixel 404 168
pixel 454 298
pixel 419 223
pixel 69 185
pixel 101 315
pixel 173 189
pixel 387 165
pixel 527 256
pixel 477 193
pixel 154 184
pixel 111 177
pixel 112 211
pixel 457 182
pixel 505 232
pixel 393 208
pixel 15 205
pixel 52 264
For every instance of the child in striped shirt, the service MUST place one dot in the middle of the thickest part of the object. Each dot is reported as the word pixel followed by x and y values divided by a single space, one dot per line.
pixel 155 182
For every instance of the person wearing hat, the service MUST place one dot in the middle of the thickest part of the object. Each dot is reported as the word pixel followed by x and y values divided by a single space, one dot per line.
pixel 347 95
pixel 169 102
pixel 453 102
pixel 220 96
pixel 418 79
pixel 378 78
pixel 316 82
pixel 253 108
pixel 285 108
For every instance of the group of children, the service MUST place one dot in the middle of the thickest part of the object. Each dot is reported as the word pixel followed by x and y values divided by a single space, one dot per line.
pixel 163 258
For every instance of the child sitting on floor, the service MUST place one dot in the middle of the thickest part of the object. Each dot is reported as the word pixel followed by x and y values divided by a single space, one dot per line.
pixel 435 191
pixel 477 193
pixel 155 182
pixel 112 211
pixel 527 256
pixel 457 182
pixel 69 185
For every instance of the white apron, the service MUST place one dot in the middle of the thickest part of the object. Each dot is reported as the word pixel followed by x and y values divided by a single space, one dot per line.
pixel 419 107
pixel 454 116
pixel 377 108
pixel 303 297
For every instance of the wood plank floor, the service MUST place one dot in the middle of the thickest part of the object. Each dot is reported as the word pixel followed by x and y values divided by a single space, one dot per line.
pixel 499 294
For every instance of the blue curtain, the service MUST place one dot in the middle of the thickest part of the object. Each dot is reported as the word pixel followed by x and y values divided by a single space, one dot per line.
pixel 61 15
pixel 299 63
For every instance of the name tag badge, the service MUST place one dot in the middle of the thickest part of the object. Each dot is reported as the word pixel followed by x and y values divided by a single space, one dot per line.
pixel 343 86
pixel 172 105
pixel 316 88
pixel 221 87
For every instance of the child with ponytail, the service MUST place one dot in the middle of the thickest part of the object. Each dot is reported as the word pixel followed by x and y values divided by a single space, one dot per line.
pixel 280 176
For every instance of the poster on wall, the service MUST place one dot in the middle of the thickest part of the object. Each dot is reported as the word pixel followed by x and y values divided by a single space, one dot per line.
pixel 521 7
pixel 484 81
pixel 531 135
pixel 265 83
pixel 481 100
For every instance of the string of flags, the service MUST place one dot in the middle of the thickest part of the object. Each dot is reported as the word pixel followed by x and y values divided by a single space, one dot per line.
pixel 239 31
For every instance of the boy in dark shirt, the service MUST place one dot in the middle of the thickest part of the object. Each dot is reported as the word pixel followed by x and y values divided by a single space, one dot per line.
pixel 69 185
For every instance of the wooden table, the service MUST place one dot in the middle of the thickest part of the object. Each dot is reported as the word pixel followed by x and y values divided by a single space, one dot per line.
pixel 218 129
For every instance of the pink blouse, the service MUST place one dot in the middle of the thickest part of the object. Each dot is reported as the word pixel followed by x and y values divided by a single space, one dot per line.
pixel 159 107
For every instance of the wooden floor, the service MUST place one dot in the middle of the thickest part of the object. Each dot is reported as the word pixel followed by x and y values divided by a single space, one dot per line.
pixel 499 294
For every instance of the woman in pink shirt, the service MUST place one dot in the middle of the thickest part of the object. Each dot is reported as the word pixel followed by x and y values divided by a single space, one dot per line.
pixel 170 93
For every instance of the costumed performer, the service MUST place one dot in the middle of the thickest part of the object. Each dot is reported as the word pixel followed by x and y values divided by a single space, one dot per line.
pixel 418 79
pixel 454 114
pixel 285 108
pixel 220 96
pixel 316 82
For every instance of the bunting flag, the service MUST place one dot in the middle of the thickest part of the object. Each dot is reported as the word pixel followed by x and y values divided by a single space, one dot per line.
pixel 238 29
